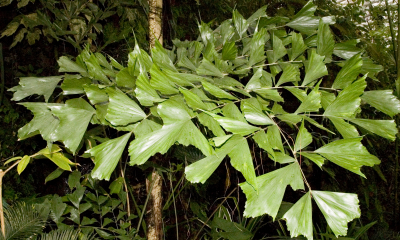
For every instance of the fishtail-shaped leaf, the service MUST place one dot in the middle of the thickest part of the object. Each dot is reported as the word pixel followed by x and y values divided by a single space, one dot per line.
pixel 299 218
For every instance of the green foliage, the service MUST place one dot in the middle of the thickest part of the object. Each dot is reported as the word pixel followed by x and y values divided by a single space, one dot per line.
pixel 219 101
pixel 77 22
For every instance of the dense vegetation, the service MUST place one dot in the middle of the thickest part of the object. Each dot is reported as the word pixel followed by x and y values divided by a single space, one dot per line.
pixel 250 106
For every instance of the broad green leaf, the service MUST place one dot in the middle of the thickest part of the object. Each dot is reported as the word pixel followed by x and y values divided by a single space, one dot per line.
pixel 312 103
pixel 299 218
pixel 347 49
pixel 95 94
pixel 95 70
pixel 229 51
pixel 174 110
pixel 73 85
pixel 191 135
pixel 303 138
pixel 161 58
pixel 23 164
pixel 317 159
pixel 290 74
pixel 35 85
pixel 211 124
pixel 230 110
pixel 234 126
pixel 209 69
pixel 383 100
pixel 298 46
pixel 290 118
pixel 257 47
pixel 258 14
pixel 12 26
pixel 315 68
pixel 348 153
pixel 161 82
pixel 242 161
pixel 258 81
pixel 345 129
pixel 107 155
pixel 193 100
pixel 348 73
pixel 74 179
pixel 370 68
pixel 305 21
pixel 116 185
pixel 145 127
pixel 53 175
pixel 240 23
pixel 56 156
pixel 218 141
pixel 122 110
pixel 348 100
pixel 274 138
pixel 145 93
pixel 269 94
pixel 338 209
pixel 201 170
pixel 271 188
pixel 73 122
pixel 298 93
pixel 383 128
pixel 139 59
pixel 327 98
pixel 278 49
pixel 67 65
pixel 43 121
pixel 253 112
pixel 125 78
pixel 216 91
pixel 325 42
pixel 283 158
pixel 262 140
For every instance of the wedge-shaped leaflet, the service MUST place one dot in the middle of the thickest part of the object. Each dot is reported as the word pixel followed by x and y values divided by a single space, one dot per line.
pixel 74 117
pixel 209 69
pixel 290 74
pixel 253 113
pixel 298 46
pixel 263 142
pixel 145 93
pixel 348 100
pixel 278 49
pixel 242 161
pixel 160 81
pixel 325 42
pixel 161 58
pixel 216 91
pixel 74 84
pixel 312 103
pixel 95 70
pixel 57 157
pixel 229 51
pixel 345 129
pixel 43 121
pixel 193 100
pixel 338 209
pixel 299 218
pixel 107 155
pixel 67 65
pixel 327 98
pixel 258 14
pixel 211 124
pixel 240 23
pixel 257 50
pixel 349 72
pixel 315 123
pixel 317 159
pixel 201 170
pixel 145 127
pixel 298 93
pixel 174 110
pixel 126 78
pixel 315 68
pixel 95 94
pixel 234 126
pixel 139 59
pixel 274 138
pixel 122 110
pixel 303 138
pixel 35 85
pixel 347 49
pixel 383 100
pixel 271 188
pixel 305 21
pixel 383 128
pixel 230 110
pixel 349 154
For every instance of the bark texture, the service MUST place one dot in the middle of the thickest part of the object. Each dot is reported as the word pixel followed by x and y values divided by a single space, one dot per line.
pixel 154 187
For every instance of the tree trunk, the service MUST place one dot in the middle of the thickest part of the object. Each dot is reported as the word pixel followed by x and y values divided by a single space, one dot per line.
pixel 154 187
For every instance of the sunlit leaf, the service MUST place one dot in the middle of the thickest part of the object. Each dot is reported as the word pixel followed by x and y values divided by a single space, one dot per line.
pixel 73 85
pixel 338 209
pixel 347 49
pixel 234 126
pixel 57 157
pixel 35 85
pixel 161 58
pixel 23 164
pixel 317 159
pixel 125 78
pixel 348 73
pixel 230 110
pixel 349 154
pixel 107 155
pixel 271 188
pixel 122 110
pixel 299 218
pixel 383 100
pixel 145 93
pixel 211 124
pixel 383 128
pixel 95 94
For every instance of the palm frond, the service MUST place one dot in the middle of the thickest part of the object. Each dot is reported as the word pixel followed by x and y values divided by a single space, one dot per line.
pixel 70 234
pixel 22 221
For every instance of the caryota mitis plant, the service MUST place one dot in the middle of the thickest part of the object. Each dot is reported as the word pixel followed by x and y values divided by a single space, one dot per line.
pixel 220 93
